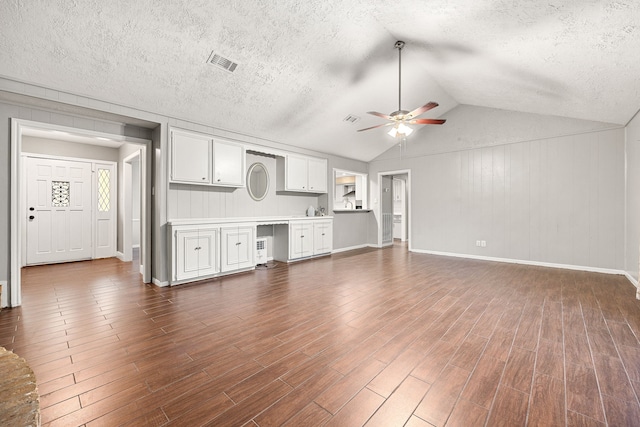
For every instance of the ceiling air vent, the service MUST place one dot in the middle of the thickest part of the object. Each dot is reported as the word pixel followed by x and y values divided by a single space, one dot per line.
pixel 222 62
pixel 351 118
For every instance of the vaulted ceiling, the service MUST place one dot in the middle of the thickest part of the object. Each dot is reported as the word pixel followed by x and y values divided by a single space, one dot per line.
pixel 304 66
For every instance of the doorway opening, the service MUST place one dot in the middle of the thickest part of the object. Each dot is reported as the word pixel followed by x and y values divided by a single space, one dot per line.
pixel 395 207
pixel 63 141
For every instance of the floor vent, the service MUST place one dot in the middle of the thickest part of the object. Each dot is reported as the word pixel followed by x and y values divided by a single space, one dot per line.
pixel 222 62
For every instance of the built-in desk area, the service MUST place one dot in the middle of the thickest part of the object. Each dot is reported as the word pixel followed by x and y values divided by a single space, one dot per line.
pixel 210 247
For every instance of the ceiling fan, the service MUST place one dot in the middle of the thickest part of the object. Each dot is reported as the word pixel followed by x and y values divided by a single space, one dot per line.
pixel 402 118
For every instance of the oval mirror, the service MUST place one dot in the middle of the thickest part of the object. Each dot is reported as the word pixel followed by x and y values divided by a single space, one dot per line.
pixel 257 181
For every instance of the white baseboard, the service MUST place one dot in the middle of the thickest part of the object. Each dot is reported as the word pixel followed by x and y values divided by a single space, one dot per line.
pixel 634 282
pixel 5 293
pixel 526 262
pixel 351 248
pixel 120 255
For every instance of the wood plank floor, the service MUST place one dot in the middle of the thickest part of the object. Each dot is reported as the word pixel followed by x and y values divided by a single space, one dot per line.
pixel 369 337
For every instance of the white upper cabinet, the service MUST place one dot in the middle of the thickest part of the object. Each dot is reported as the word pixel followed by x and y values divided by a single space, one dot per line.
pixel 228 163
pixel 302 174
pixel 201 159
pixel 190 154
pixel 317 175
pixel 296 173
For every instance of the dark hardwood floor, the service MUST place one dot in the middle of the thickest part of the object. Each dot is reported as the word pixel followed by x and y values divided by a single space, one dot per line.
pixel 375 337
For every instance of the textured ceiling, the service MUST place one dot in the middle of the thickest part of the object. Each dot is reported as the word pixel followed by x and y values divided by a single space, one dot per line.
pixel 304 66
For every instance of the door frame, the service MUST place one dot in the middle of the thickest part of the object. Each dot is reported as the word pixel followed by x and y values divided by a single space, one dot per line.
pixel 18 126
pixel 127 204
pixel 408 203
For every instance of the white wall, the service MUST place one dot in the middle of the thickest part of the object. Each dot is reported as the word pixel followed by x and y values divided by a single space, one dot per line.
pixel 555 199
pixel 632 233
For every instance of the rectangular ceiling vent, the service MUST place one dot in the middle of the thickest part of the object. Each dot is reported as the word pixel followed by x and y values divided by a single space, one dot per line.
pixel 351 118
pixel 222 62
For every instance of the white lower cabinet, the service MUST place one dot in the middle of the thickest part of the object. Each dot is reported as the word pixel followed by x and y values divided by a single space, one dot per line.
pixel 196 253
pixel 238 248
pixel 300 239
pixel 206 250
pixel 303 239
pixel 200 249
pixel 322 237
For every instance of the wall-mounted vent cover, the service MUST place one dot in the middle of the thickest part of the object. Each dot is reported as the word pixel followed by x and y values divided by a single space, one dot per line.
pixel 351 118
pixel 222 62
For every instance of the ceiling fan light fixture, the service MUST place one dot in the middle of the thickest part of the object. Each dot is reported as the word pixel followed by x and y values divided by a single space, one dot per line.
pixel 400 130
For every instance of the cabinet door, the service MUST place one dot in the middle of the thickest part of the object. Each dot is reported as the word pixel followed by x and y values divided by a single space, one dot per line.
pixel 300 240
pixel 246 247
pixel 322 237
pixel 207 252
pixel 297 171
pixel 317 175
pixel 228 164
pixel 190 158
pixel 238 250
pixel 186 254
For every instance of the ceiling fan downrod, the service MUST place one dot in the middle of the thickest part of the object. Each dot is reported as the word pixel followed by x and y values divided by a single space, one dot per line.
pixel 399 45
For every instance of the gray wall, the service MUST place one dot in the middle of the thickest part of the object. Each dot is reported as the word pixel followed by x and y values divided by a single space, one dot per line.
pixel 9 111
pixel 191 201
pixel 632 233
pixel 555 199
pixel 54 147
pixel 23 101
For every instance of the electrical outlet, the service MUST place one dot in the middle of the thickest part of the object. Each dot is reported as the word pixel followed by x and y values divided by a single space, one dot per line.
pixel 483 243
pixel 477 242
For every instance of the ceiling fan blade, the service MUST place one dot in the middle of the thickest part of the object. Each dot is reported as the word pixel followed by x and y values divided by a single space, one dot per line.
pixel 427 121
pixel 384 116
pixel 420 110
pixel 377 126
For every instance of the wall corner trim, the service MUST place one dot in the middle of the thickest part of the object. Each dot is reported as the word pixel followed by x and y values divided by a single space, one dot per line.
pixel 159 283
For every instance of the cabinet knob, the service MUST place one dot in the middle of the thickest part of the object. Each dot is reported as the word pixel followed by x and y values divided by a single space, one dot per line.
pixel 238 243
pixel 218 179
pixel 204 178
pixel 302 236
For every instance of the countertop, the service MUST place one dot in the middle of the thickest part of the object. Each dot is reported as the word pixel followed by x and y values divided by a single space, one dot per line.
pixel 264 220
pixel 350 210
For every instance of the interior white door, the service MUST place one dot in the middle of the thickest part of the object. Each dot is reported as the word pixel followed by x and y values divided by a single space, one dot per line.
pixel 59 194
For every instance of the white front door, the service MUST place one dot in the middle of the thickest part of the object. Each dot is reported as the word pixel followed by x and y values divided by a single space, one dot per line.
pixel 58 211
